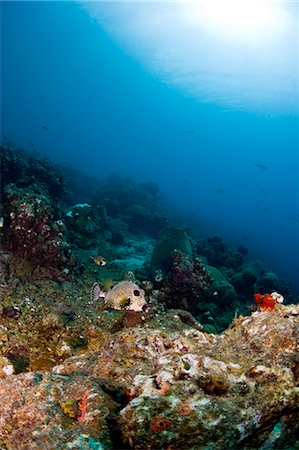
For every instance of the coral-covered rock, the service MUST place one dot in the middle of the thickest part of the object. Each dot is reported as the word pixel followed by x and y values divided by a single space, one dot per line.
pixel 257 277
pixel 220 289
pixel 177 388
pixel 185 284
pixel 84 226
pixel 196 391
pixel 33 233
pixel 218 254
pixel 31 225
pixel 171 239
pixel 117 231
pixel 42 410
pixel 244 280
pixel 24 170
pixel 218 303
pixel 135 204
pixel 267 281
pixel 144 219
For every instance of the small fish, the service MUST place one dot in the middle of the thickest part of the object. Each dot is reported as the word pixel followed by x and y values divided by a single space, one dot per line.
pixel 261 166
pixel 45 128
pixel 99 260
pixel 221 191
pixel 1 222
pixel 189 131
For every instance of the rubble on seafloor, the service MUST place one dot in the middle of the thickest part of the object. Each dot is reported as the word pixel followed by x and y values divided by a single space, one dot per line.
pixel 163 385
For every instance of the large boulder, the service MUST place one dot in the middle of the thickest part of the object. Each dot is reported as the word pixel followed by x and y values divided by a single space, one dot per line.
pixel 171 239
pixel 176 387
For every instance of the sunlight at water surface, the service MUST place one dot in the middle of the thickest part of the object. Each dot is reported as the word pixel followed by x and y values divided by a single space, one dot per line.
pixel 236 54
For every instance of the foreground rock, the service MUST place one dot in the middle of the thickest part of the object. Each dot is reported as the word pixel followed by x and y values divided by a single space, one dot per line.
pixel 40 410
pixel 151 388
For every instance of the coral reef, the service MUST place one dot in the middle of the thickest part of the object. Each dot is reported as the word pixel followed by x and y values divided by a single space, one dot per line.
pixel 24 170
pixel 137 362
pixel 136 205
pixel 31 192
pixel 84 226
pixel 185 284
pixel 33 233
pixel 218 254
pixel 175 388
pixel 171 239
pixel 233 283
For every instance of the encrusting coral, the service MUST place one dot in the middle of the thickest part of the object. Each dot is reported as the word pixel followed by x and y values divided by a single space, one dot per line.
pixel 33 233
pixel 175 389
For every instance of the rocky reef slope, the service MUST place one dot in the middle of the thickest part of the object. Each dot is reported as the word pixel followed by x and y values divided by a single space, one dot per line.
pixel 121 330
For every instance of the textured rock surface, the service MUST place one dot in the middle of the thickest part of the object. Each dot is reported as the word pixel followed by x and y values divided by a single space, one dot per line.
pixel 41 411
pixel 176 388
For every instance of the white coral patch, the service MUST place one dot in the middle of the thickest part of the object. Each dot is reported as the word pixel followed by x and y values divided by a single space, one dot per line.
pixel 277 297
pixel 8 370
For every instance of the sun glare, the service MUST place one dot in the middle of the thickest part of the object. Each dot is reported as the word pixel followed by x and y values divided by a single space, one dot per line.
pixel 237 19
pixel 237 53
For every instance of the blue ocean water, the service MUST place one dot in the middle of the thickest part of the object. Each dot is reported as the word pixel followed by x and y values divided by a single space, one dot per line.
pixel 109 87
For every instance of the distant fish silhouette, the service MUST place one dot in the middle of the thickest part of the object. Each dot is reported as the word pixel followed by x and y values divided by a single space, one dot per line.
pixel 221 191
pixel 189 131
pixel 261 166
pixel 45 128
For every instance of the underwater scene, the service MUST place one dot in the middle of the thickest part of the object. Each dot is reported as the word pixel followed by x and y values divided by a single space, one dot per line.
pixel 149 225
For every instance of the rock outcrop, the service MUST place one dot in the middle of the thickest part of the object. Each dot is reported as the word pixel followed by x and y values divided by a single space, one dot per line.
pixel 164 387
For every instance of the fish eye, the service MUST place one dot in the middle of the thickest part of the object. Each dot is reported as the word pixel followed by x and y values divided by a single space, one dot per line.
pixel 136 292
